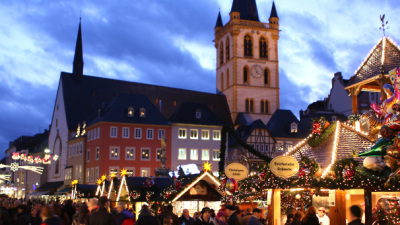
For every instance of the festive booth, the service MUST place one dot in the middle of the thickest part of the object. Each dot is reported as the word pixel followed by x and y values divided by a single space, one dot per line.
pixel 82 191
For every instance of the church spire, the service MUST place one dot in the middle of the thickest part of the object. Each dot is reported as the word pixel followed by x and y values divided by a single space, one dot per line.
pixel 274 14
pixel 219 21
pixel 77 69
pixel 246 8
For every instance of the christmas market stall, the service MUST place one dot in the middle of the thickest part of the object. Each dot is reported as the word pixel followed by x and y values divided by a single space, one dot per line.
pixel 82 192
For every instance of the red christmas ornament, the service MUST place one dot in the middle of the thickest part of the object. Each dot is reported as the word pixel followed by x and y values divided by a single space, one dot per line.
pixel 302 172
pixel 178 185
pixel 316 128
pixel 231 185
pixel 262 176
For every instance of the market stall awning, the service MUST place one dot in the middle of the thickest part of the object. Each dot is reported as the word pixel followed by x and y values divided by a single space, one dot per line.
pixel 50 186
pixel 85 190
pixel 63 191
pixel 38 193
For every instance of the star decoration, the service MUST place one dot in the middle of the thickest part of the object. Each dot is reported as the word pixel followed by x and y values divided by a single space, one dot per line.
pixel 104 177
pixel 14 167
pixel 75 182
pixel 113 175
pixel 99 181
pixel 123 172
pixel 207 166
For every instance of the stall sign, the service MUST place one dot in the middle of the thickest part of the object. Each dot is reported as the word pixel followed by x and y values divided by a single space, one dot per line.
pixel 284 166
pixel 237 171
pixel 198 190
pixel 331 198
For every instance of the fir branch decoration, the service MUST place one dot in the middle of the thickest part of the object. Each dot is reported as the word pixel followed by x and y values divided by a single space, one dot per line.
pixel 316 140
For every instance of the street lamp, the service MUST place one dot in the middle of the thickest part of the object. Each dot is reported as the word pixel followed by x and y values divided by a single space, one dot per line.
pixel 47 150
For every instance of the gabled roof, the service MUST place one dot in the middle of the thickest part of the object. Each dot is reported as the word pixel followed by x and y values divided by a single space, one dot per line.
pixel 117 111
pixel 246 8
pixel 33 144
pixel 384 57
pixel 280 125
pixel 244 131
pixel 186 113
pixel 84 98
pixel 243 118
pixel 345 137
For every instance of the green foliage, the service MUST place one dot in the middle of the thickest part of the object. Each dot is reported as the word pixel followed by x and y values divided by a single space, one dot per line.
pixel 317 140
pixel 311 164
pixel 344 163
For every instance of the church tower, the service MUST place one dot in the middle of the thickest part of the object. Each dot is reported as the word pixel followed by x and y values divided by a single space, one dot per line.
pixel 247 61
pixel 77 65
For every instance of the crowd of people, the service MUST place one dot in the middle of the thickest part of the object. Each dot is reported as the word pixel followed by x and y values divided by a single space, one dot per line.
pixel 99 212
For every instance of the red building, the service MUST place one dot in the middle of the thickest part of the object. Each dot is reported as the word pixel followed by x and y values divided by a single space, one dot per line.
pixel 126 134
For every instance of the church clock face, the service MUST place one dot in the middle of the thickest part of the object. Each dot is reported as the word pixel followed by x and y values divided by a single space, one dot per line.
pixel 256 71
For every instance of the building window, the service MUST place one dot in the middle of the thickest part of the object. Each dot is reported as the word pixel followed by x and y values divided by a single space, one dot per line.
pixel 142 113
pixel 266 76
pixel 205 154
pixel 248 46
pixel 227 49
pixel 91 174
pixel 144 172
pixel 97 153
pixel 130 172
pixel 182 133
pixel 114 152
pixel 266 148
pixel 216 153
pixel 194 154
pixel 289 145
pixel 74 151
pixel 205 134
pixel 98 132
pixel 113 132
pixel 216 135
pixel 194 134
pixel 222 81
pixel 279 146
pixel 264 106
pixel 87 174
pixel 221 53
pixel 81 149
pixel 96 173
pixel 130 112
pixel 88 136
pixel 261 148
pixel 251 105
pixel 293 127
pixel 88 155
pixel 130 153
pixel 263 48
pixel 227 78
pixel 138 133
pixel 161 134
pixel 145 154
pixel 198 114
pixel 245 74
pixel 150 133
pixel 94 134
pixel 158 154
pixel 125 132
pixel 182 154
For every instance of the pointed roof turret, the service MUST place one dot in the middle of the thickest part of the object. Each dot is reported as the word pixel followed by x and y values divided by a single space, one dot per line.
pixel 246 8
pixel 273 11
pixel 77 69
pixel 219 21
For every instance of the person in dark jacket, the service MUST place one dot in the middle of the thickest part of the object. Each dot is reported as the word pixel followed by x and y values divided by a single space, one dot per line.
pixel 48 217
pixel 255 219
pixel 102 216
pixel 67 212
pixel 168 211
pixel 4 213
pixel 82 216
pixel 146 218
pixel 185 218
pixel 205 218
pixel 123 214
pixel 311 217
pixel 355 215
pixel 298 216
pixel 21 218
pixel 230 211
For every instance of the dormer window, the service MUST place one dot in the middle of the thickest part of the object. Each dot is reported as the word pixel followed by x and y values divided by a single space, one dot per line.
pixel 293 127
pixel 130 111
pixel 142 113
pixel 198 114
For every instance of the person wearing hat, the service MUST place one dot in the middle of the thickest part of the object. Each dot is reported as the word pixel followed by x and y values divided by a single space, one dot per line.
pixel 102 216
pixel 231 213
pixel 255 219
pixel 355 215
pixel 205 218
pixel 322 217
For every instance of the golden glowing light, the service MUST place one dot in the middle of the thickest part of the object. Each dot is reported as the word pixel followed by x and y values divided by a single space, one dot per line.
pixel 74 182
pixel 99 181
pixel 113 175
pixel 207 166
pixel 123 172
pixel 104 177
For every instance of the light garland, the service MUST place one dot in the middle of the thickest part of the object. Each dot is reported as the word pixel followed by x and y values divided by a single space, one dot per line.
pixel 15 167
pixel 123 182
pixel 334 150
pixel 5 177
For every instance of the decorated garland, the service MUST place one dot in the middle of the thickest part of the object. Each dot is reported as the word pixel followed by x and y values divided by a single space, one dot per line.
pixel 320 136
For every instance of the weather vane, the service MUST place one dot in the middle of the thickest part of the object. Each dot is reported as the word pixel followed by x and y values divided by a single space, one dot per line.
pixel 384 23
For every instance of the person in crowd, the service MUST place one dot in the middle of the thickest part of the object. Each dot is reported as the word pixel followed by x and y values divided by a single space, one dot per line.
pixel 246 216
pixel 5 215
pixel 81 218
pixel 289 218
pixel 67 212
pixel 101 216
pixel 32 217
pixel 196 215
pixel 168 211
pixel 167 220
pixel 37 220
pixel 48 217
pixel 212 213
pixel 205 217
pixel 146 218
pixel 21 218
pixel 123 215
pixel 230 211
pixel 355 215
pixel 322 217
pixel 220 218
pixel 311 217
pixel 255 219
pixel 185 218
pixel 298 216
pixel 92 205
